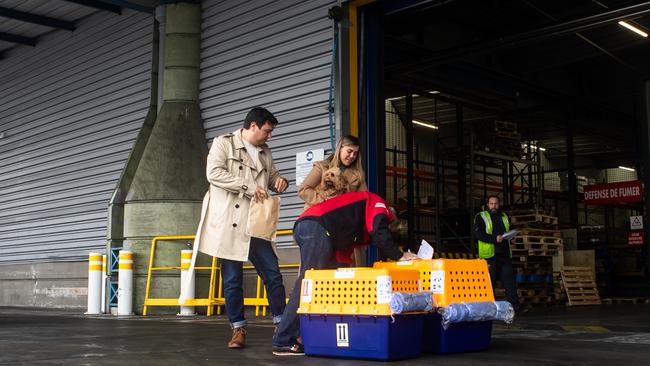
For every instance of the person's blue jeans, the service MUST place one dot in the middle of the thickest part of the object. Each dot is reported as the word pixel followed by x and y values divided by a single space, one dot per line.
pixel 315 253
pixel 263 257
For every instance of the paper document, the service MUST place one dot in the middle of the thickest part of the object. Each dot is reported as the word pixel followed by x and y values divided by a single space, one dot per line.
pixel 510 234
pixel 425 251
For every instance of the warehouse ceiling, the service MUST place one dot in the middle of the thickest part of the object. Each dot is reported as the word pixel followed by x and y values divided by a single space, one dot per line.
pixel 24 22
pixel 543 64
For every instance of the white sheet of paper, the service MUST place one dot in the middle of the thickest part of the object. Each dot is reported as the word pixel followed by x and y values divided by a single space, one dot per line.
pixel 425 251
pixel 510 234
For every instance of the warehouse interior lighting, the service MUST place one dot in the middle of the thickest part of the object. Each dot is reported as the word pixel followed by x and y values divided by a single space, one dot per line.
pixel 428 125
pixel 626 168
pixel 533 147
pixel 633 28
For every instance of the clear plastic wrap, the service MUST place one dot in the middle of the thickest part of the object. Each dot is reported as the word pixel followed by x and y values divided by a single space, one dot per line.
pixel 476 312
pixel 405 302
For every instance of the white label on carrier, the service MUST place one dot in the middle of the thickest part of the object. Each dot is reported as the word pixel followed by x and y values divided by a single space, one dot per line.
pixel 404 263
pixel 384 289
pixel 438 282
pixel 344 273
pixel 306 290
pixel 342 339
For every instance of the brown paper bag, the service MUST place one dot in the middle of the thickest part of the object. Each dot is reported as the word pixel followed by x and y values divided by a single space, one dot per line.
pixel 263 218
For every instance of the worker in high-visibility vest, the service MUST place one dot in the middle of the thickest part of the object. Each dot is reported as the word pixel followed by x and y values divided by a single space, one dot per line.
pixel 489 227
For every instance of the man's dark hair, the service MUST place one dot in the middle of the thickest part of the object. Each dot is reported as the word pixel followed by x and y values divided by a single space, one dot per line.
pixel 492 196
pixel 259 115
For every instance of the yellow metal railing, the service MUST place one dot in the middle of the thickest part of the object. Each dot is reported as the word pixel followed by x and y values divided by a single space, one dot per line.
pixel 259 301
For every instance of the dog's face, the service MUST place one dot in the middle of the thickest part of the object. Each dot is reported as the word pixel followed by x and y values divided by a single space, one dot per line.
pixel 333 179
pixel 332 184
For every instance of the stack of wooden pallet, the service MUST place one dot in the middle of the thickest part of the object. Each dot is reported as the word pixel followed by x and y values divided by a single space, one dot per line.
pixel 536 242
pixel 558 288
pixel 532 253
pixel 502 139
pixel 580 286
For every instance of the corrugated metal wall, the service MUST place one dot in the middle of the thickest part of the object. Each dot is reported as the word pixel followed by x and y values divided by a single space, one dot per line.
pixel 70 109
pixel 274 54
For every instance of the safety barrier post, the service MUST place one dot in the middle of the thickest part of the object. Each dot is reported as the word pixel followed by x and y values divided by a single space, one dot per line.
pixel 104 299
pixel 94 283
pixel 125 283
pixel 187 288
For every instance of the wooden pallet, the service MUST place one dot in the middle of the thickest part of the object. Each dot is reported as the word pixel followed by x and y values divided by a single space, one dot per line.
pixel 626 300
pixel 504 125
pixel 580 286
pixel 534 239
pixel 507 151
pixel 540 232
pixel 532 292
pixel 527 211
pixel 525 259
pixel 535 249
pixel 534 218
pixel 508 135
pixel 534 252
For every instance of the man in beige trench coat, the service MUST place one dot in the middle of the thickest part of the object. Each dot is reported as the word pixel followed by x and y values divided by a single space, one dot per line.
pixel 240 168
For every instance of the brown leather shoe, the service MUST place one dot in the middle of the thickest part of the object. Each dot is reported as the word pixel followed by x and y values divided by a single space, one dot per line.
pixel 238 338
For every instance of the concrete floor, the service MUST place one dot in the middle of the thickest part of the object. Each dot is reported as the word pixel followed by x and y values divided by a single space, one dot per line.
pixel 595 335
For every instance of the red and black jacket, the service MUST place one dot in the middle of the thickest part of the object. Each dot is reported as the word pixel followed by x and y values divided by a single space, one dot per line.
pixel 354 219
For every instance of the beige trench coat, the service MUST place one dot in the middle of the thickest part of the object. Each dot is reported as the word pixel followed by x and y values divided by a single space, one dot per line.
pixel 233 179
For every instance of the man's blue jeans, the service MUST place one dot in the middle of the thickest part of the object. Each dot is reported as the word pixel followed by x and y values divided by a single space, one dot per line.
pixel 263 257
pixel 315 253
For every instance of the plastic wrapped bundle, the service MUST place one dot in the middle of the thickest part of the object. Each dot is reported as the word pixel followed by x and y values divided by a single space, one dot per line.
pixel 476 312
pixel 479 311
pixel 505 311
pixel 404 302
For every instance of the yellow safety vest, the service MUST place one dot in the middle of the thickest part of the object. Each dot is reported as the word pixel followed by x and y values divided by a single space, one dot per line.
pixel 486 250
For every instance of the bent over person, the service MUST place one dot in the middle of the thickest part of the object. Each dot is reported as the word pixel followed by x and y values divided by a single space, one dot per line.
pixel 326 235
pixel 240 168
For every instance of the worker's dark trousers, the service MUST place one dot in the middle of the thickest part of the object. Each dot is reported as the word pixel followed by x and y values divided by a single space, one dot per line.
pixel 316 252
pixel 501 269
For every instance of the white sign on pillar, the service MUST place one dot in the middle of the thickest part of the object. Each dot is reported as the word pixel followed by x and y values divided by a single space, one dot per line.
pixel 636 222
pixel 304 162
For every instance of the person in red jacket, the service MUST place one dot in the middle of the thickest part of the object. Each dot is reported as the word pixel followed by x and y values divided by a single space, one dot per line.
pixel 327 234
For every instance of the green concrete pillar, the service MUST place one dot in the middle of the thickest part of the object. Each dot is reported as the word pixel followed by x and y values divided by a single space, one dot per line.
pixel 169 183
pixel 182 46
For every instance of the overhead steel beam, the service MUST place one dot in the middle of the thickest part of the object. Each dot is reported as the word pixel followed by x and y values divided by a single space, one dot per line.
pixel 582 36
pixel 36 19
pixel 520 39
pixel 14 38
pixel 98 5
pixel 132 6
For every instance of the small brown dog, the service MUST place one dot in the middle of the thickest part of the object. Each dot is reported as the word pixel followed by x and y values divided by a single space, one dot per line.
pixel 332 184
